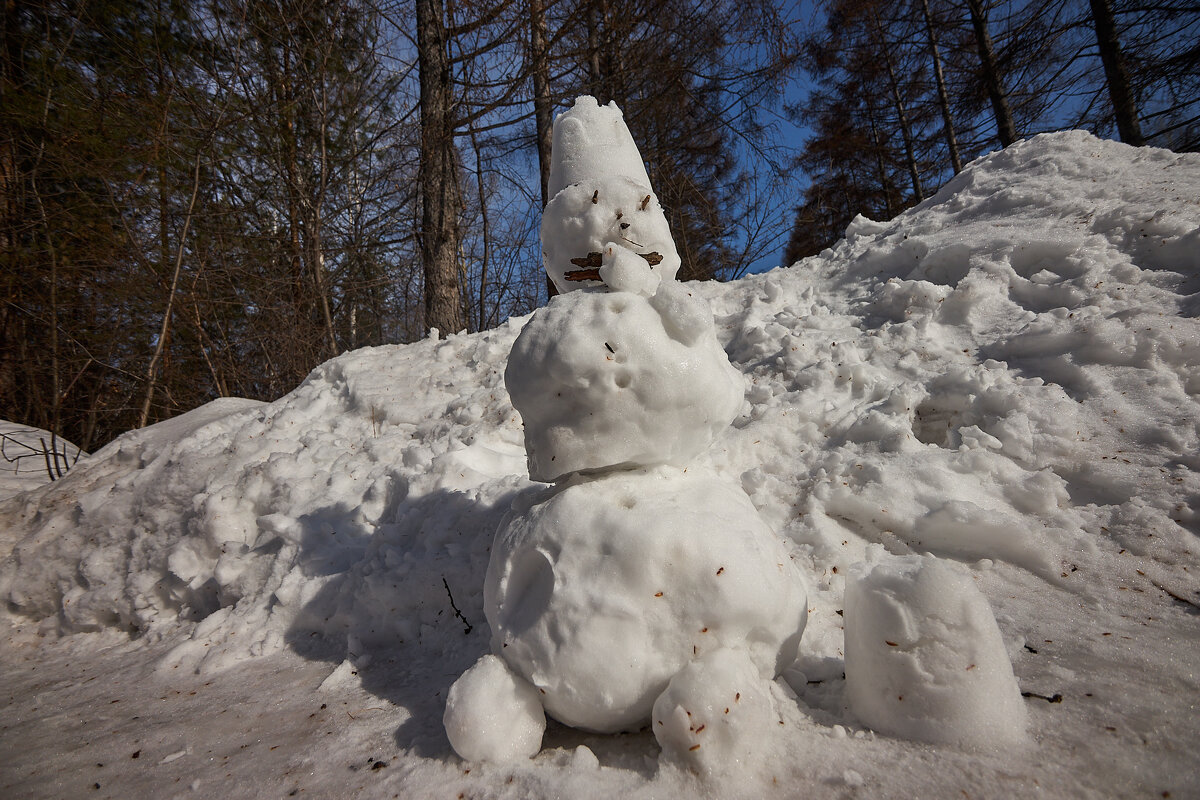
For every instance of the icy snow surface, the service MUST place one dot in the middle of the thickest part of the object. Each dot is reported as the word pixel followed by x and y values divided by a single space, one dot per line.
pixel 260 599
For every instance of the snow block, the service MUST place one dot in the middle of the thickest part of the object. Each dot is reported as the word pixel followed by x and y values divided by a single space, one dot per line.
pixel 924 656
pixel 590 140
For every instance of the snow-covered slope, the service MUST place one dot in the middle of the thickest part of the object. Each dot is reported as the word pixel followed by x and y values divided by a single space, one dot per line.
pixel 273 598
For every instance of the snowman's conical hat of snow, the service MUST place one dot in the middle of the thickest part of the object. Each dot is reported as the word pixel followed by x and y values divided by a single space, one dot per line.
pixel 600 194
pixel 592 140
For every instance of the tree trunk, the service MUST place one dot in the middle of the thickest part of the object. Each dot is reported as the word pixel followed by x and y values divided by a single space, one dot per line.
pixel 1005 129
pixel 164 332
pixel 541 92
pixel 1115 74
pixel 881 171
pixel 943 97
pixel 439 200
pixel 541 103
pixel 901 114
pixel 593 44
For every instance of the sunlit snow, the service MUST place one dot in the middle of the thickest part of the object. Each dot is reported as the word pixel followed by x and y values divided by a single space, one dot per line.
pixel 266 599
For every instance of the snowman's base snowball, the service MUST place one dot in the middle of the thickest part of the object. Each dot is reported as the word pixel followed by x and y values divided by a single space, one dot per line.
pixel 614 379
pixel 924 657
pixel 600 594
pixel 715 715
pixel 493 715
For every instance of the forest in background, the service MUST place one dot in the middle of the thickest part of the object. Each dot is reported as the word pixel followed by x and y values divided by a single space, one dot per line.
pixel 210 199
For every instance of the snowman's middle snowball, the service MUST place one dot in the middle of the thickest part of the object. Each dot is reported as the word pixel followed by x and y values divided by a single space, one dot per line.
pixel 611 380
pixel 600 594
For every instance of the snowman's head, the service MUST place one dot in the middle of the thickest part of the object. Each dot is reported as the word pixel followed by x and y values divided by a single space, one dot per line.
pixel 601 197
pixel 586 217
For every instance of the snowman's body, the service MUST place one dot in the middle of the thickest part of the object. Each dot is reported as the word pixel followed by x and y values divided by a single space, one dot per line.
pixel 599 595
pixel 636 568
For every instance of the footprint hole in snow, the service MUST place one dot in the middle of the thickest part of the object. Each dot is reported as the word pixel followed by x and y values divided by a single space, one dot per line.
pixel 935 425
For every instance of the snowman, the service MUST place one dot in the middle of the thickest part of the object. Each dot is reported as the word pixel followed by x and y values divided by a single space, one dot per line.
pixel 636 590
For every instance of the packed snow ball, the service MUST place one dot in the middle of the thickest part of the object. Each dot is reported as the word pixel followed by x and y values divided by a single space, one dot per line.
pixel 600 594
pixel 924 656
pixel 586 215
pixel 715 714
pixel 607 380
pixel 493 715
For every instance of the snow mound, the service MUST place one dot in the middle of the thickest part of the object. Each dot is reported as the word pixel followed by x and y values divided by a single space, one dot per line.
pixel 599 594
pixel 924 658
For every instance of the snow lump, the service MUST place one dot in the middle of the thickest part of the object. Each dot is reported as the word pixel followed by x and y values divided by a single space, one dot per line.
pixel 924 657
pixel 491 715
pixel 612 379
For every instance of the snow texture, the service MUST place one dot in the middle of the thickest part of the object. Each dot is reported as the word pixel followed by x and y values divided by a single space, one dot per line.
pixel 1007 376
pixel 493 715
pixel 601 593
pixel 924 657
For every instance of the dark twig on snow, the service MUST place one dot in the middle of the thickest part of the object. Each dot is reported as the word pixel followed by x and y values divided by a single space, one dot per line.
pixel 457 613
pixel 57 461
pixel 592 261
pixel 1055 698
pixel 1181 598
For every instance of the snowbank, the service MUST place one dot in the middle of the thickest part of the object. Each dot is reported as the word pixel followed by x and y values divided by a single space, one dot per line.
pixel 28 458
pixel 1006 376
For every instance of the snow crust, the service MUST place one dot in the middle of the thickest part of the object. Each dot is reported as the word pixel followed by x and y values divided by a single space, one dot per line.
pixel 924 657
pixel 1007 376
pixel 601 593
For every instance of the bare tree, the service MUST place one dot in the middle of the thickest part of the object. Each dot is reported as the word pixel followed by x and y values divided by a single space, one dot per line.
pixel 438 173
pixel 1006 130
pixel 1115 73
